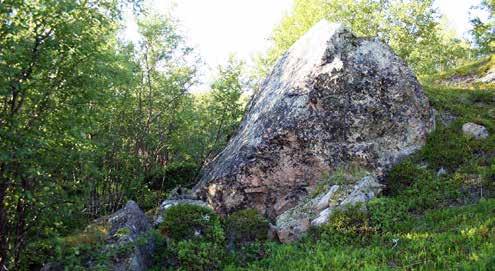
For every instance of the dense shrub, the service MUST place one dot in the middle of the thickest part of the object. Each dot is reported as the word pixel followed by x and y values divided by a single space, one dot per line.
pixel 200 256
pixel 347 225
pixel 447 148
pixel 191 238
pixel 403 176
pixel 171 176
pixel 187 221
pixel 246 226
pixel 388 214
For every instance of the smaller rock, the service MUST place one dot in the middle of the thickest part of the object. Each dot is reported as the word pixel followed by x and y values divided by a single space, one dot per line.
pixel 324 201
pixel 127 225
pixel 489 77
pixel 322 218
pixel 475 130
pixel 293 223
pixel 172 202
pixel 441 172
pixel 294 231
pixel 52 267
pixel 367 188
pixel 130 217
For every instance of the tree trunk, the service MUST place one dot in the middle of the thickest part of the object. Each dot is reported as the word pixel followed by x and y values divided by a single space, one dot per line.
pixel 3 226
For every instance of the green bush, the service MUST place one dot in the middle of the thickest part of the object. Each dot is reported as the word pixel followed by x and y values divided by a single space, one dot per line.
pixel 246 226
pixel 481 96
pixel 173 175
pixel 200 256
pixel 403 176
pixel 388 214
pixel 187 221
pixel 191 238
pixel 348 225
pixel 447 148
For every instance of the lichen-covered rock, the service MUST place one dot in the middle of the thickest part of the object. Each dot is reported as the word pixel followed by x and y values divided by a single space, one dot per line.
pixel 52 267
pixel 126 227
pixel 474 130
pixel 332 100
pixel 293 223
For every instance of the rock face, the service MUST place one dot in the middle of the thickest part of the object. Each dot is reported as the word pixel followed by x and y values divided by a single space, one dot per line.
pixel 332 101
pixel 127 225
pixel 475 130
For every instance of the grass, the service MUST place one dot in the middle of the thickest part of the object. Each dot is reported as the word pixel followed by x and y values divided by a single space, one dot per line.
pixel 472 70
pixel 423 221
pixel 454 238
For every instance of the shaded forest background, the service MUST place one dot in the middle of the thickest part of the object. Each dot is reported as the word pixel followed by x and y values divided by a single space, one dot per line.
pixel 89 121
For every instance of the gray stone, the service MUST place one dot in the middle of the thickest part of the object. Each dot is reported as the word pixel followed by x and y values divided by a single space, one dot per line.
pixel 489 77
pixel 366 189
pixel 52 267
pixel 474 130
pixel 126 226
pixel 294 229
pixel 322 217
pixel 128 241
pixel 290 223
pixel 323 203
pixel 441 172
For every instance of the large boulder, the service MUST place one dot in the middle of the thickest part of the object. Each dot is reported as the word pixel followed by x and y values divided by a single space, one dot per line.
pixel 332 101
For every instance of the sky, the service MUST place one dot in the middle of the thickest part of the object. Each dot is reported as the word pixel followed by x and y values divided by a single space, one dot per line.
pixel 219 28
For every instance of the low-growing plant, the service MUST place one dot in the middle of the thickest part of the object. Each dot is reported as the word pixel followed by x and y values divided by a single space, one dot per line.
pixel 447 148
pixel 348 224
pixel 248 253
pixel 403 176
pixel 199 256
pixel 388 214
pixel 187 221
pixel 246 226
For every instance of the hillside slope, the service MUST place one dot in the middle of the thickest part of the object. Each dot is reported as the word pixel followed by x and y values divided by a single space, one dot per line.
pixel 437 213
pixel 439 210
